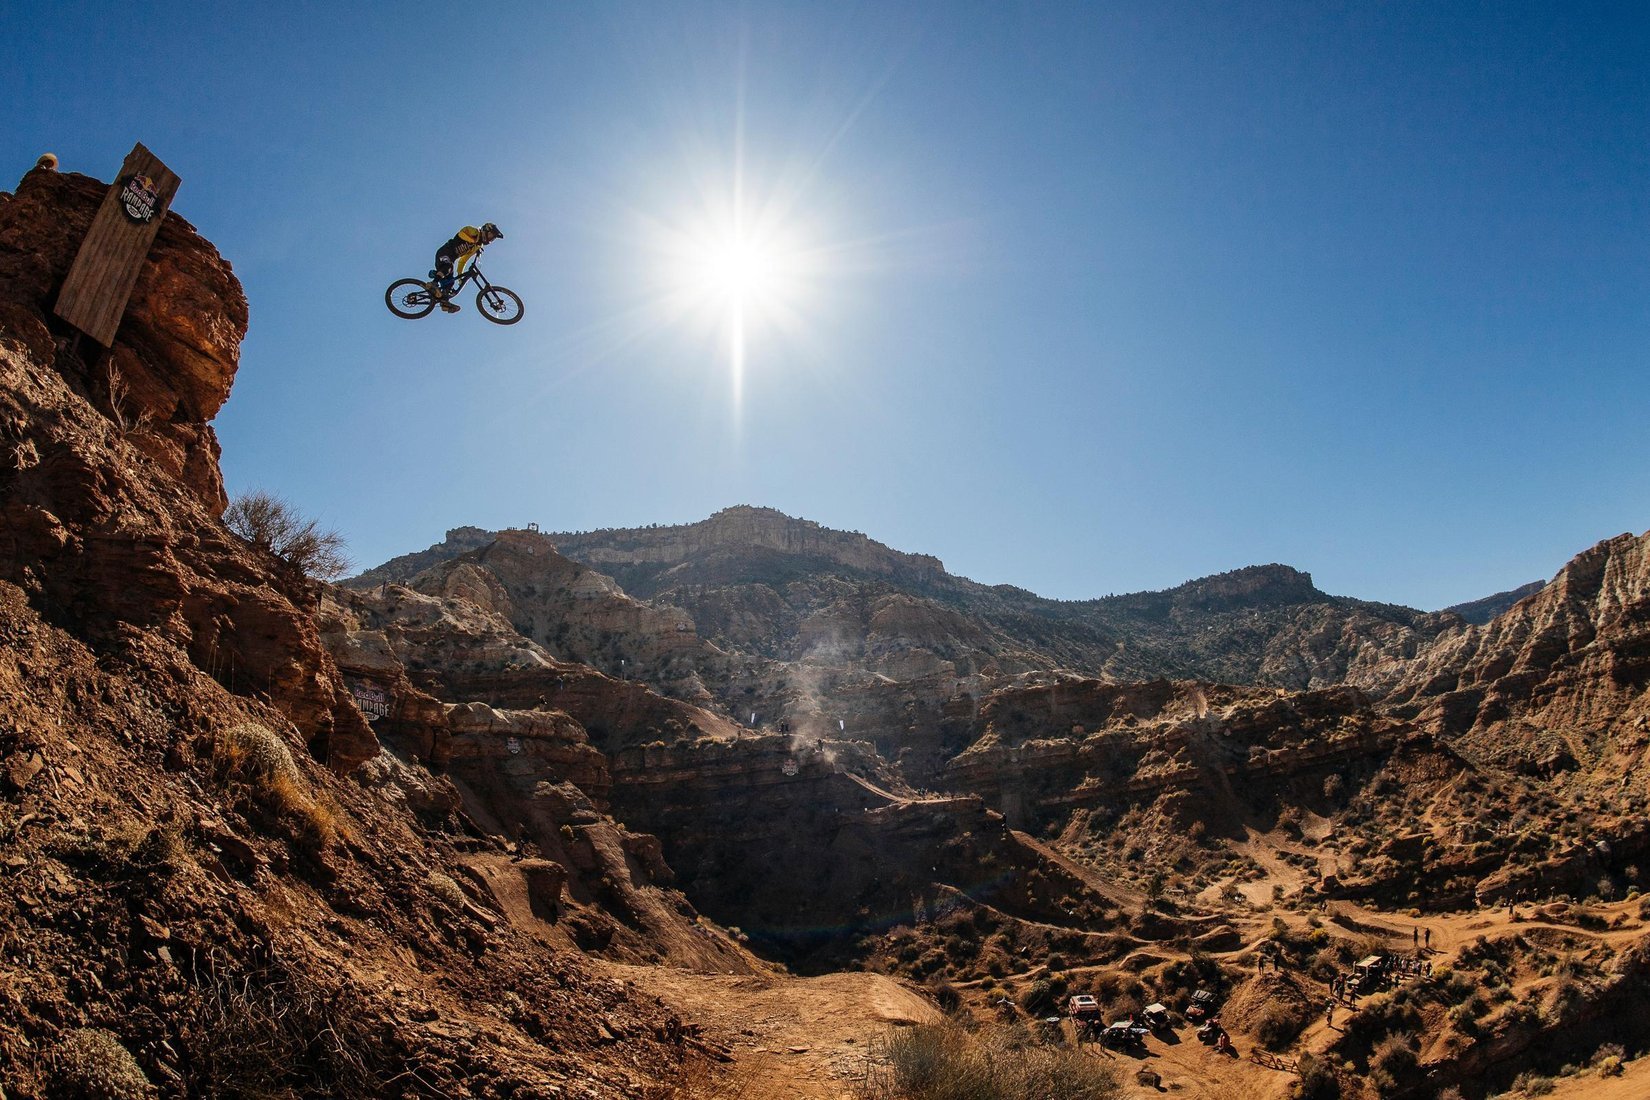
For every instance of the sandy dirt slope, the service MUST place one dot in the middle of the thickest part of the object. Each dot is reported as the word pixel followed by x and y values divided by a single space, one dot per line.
pixel 1633 1084
pixel 802 1038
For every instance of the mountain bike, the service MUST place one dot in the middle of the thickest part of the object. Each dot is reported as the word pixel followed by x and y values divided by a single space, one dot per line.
pixel 415 298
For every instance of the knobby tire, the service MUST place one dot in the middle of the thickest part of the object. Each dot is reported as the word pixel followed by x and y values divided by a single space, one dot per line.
pixel 508 310
pixel 409 298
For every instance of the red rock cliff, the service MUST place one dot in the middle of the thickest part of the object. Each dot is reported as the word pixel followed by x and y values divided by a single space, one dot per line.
pixel 109 484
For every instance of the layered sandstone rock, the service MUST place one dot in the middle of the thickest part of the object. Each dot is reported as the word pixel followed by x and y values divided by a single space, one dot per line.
pixel 175 356
pixel 1574 657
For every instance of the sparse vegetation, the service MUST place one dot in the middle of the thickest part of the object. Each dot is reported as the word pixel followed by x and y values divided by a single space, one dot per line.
pixel 91 1064
pixel 947 1061
pixel 274 525
pixel 255 755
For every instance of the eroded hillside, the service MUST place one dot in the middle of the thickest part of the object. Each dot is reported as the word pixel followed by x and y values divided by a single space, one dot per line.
pixel 566 815
pixel 217 880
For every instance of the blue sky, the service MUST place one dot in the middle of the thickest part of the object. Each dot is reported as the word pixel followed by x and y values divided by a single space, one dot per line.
pixel 1097 298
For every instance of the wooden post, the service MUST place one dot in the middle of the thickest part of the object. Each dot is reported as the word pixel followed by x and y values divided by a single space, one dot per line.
pixel 94 295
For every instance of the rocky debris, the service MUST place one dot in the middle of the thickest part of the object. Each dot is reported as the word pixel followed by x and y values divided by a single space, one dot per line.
pixel 110 535
pixel 189 896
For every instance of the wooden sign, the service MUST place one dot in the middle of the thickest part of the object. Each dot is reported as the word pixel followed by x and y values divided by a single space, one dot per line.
pixel 94 296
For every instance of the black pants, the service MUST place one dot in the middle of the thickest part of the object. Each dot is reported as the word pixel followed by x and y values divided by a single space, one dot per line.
pixel 444 261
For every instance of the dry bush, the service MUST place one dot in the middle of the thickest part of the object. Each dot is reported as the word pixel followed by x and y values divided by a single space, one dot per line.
pixel 443 887
pixel 1393 1065
pixel 90 1064
pixel 946 1061
pixel 257 755
pixel 1278 1024
pixel 1317 1079
pixel 255 752
pixel 273 524
pixel 273 1035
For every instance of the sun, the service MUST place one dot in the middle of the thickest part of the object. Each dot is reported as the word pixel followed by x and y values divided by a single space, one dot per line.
pixel 744 267
pixel 739 270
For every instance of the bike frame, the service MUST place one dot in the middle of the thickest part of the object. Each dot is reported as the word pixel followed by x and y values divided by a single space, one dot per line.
pixel 471 273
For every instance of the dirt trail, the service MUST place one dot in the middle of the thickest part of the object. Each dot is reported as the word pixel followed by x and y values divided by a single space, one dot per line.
pixel 876 790
pixel 1633 1084
pixel 802 1038
pixel 1087 875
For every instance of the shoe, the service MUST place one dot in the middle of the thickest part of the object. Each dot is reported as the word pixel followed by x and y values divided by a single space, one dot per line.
pixel 449 307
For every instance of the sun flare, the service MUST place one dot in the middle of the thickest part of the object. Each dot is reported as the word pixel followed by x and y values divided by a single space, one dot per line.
pixel 739 270
pixel 743 271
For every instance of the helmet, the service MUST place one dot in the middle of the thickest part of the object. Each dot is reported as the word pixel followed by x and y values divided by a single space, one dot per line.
pixel 488 229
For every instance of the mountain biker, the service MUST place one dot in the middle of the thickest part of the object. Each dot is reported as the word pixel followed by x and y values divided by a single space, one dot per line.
pixel 465 246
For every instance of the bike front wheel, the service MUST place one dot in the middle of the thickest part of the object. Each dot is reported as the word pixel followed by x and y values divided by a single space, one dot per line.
pixel 409 298
pixel 498 305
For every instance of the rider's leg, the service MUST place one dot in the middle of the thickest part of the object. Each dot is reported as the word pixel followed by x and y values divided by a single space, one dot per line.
pixel 443 284
pixel 444 272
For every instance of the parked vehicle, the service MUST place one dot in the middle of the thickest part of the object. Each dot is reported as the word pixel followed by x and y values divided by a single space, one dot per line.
pixel 1203 1003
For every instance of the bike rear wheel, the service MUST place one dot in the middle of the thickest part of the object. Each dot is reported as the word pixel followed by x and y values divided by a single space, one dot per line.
pixel 499 305
pixel 409 298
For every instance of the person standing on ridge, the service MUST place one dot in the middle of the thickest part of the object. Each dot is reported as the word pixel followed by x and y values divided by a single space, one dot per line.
pixel 462 250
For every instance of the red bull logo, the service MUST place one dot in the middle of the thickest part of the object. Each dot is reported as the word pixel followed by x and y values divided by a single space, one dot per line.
pixel 139 198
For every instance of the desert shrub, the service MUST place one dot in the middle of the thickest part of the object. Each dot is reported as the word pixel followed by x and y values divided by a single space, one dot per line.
pixel 255 752
pixel 948 1062
pixel 1532 1084
pixel 1278 1024
pixel 1317 1079
pixel 1607 1059
pixel 1039 998
pixel 1393 1065
pixel 272 1034
pixel 1124 1004
pixel 273 524
pixel 447 890
pixel 90 1064
pixel 945 995
pixel 256 755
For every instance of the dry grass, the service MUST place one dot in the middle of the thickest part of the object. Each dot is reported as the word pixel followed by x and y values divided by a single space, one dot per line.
pixel 277 1035
pixel 947 1061
pixel 256 755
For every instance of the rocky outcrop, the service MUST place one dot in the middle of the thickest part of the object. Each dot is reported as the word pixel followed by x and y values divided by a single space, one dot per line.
pixel 762 585
pixel 1479 612
pixel 175 356
pixel 109 489
pixel 1574 657
pixel 179 873
pixel 578 614
pixel 1045 750
pixel 790 842
pixel 742 530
